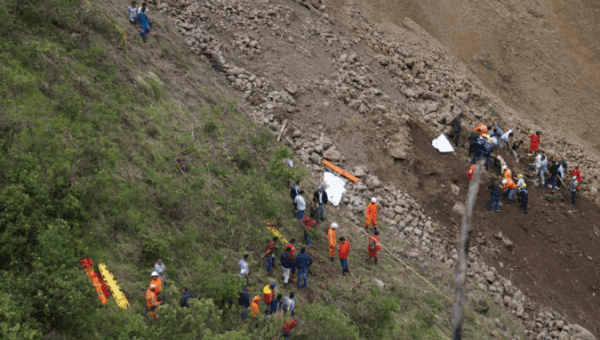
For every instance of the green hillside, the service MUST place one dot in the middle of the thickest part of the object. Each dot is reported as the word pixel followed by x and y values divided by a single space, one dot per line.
pixel 124 152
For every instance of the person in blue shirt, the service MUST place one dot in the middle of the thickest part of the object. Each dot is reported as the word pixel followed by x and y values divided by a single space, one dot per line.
pixel 143 20
pixel 289 304
pixel 302 262
pixel 186 295
pixel 276 305
pixel 244 301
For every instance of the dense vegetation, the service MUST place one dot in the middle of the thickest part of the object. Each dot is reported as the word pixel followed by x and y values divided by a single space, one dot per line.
pixel 98 158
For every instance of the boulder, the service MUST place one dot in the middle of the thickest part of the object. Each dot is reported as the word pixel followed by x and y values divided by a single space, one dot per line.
pixel 579 332
pixel 459 208
pixel 332 154
pixel 359 172
pixel 455 188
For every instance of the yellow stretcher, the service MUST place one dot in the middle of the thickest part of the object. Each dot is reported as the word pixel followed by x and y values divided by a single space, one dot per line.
pixel 120 298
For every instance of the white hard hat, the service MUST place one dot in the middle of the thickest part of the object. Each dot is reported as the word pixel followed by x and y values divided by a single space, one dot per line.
pixel 373 199
pixel 504 181
pixel 154 273
pixel 503 167
pixel 334 225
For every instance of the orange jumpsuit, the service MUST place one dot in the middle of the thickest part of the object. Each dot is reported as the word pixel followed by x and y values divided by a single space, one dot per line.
pixel 332 240
pixel 508 175
pixel 157 285
pixel 482 129
pixel 373 252
pixel 371 215
pixel 254 306
pixel 471 172
pixel 151 303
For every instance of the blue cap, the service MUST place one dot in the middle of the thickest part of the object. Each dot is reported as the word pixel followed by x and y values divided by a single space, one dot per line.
pixel 273 284
pixel 321 187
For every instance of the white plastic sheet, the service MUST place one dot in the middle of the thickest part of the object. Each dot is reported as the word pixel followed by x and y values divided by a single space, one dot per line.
pixel 442 144
pixel 335 187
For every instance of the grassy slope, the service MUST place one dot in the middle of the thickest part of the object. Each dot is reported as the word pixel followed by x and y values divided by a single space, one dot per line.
pixel 124 157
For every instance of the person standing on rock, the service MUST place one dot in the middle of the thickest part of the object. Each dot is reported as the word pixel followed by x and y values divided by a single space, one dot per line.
pixel 343 251
pixel 573 189
pixel 371 214
pixel 495 194
pixel 523 197
pixel 534 143
pixel 456 124
pixel 488 148
pixel 540 167
pixel 321 196
pixel 515 150
pixel 332 239
pixel 553 176
pixel 373 246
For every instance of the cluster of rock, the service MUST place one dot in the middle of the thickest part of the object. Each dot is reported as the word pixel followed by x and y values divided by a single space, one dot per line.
pixel 435 93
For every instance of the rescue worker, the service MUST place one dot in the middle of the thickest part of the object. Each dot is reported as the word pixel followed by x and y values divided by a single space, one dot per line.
pixel 503 141
pixel 156 283
pixel 152 302
pixel 577 173
pixel 482 129
pixel 343 251
pixel 185 296
pixel 276 305
pixel 506 173
pixel 534 143
pixel 292 254
pixel 488 148
pixel 456 124
pixel 269 296
pixel 244 269
pixel 254 306
pixel 553 176
pixel 302 262
pixel 540 167
pixel 515 150
pixel 509 186
pixel 289 304
pixel 269 254
pixel 332 240
pixel 287 328
pixel 371 214
pixel 495 195
pixel 520 181
pixel 286 265
pixel 562 167
pixel 321 196
pixel 471 171
pixel 523 198
pixel 373 245
pixel 244 301
pixel 479 148
pixel 573 189
pixel 472 142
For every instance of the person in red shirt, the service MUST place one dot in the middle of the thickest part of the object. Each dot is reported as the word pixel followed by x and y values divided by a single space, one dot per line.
pixel 373 246
pixel 471 171
pixel 292 257
pixel 577 173
pixel 343 251
pixel 270 254
pixel 287 328
pixel 535 141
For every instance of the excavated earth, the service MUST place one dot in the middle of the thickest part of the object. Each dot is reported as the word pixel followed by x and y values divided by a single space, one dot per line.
pixel 370 98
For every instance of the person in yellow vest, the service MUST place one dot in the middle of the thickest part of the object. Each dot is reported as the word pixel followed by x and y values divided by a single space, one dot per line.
pixel 332 240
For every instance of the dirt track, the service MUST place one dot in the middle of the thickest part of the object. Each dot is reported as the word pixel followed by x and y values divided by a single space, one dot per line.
pixel 550 260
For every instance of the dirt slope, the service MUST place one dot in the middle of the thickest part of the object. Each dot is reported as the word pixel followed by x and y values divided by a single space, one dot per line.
pixel 540 57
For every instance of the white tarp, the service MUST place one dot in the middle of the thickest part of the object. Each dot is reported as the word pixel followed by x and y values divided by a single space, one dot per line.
pixel 335 187
pixel 442 144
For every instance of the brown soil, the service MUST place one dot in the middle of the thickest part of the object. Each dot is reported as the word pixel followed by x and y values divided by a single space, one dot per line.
pixel 550 261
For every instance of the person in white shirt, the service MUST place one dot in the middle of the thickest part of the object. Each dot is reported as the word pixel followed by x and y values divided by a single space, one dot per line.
pixel 520 182
pixel 161 269
pixel 300 205
pixel 132 13
pixel 245 269
pixel 503 142
pixel 540 167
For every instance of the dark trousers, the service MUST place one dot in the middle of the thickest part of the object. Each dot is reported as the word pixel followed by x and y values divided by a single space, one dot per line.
pixel 344 263
pixel 573 197
pixel 456 137
pixel 495 200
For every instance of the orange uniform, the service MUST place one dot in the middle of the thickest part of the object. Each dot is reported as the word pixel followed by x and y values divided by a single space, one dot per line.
pixel 332 240
pixel 510 184
pixel 373 246
pixel 157 285
pixel 254 306
pixel 151 303
pixel 371 215
pixel 508 175
pixel 481 129
pixel 471 172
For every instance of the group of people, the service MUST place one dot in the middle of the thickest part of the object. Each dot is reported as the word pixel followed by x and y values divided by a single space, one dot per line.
pixel 157 281
pixel 138 16
pixel 482 145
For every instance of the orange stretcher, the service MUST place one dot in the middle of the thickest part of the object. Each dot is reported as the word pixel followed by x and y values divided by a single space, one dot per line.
pixel 340 171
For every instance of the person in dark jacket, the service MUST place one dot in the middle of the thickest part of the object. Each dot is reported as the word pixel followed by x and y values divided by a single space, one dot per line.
pixel 523 197
pixel 295 191
pixel 286 265
pixel 186 295
pixel 456 124
pixel 472 142
pixel 488 148
pixel 553 175
pixel 321 197
pixel 244 301
pixel 496 194
pixel 277 304
pixel 302 262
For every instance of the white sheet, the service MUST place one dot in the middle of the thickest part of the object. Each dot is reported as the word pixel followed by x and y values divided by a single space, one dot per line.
pixel 442 144
pixel 335 187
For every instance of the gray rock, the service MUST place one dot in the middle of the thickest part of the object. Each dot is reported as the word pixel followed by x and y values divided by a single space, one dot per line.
pixel 297 133
pixel 455 188
pixel 563 336
pixel 489 275
pixel 332 155
pixel 579 332
pixel 398 209
pixel 291 89
pixel 459 208
pixel 507 243
pixel 359 172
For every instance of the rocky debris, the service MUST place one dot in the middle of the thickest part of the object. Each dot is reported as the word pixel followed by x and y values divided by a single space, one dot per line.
pixel 455 188
pixel 579 333
pixel 459 208
pixel 332 155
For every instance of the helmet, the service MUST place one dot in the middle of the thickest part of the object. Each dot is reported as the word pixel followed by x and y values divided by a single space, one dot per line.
pixel 154 273
pixel 334 225
pixel 524 185
pixel 520 175
pixel 373 199
pixel 320 187
pixel 504 182
pixel 503 167
pixel 484 136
